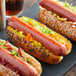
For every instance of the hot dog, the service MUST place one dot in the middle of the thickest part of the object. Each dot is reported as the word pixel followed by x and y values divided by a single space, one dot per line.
pixel 59 9
pixel 49 43
pixel 15 62
pixel 60 16
pixel 39 36
pixel 5 71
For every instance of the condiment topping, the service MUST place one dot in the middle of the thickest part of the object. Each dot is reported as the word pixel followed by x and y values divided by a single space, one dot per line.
pixel 15 52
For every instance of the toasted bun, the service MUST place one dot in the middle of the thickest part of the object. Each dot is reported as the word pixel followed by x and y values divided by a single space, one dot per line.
pixel 4 71
pixel 40 54
pixel 34 62
pixel 66 28
pixel 69 45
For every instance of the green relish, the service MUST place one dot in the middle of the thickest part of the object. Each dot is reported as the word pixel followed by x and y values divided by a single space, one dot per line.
pixel 68 5
pixel 42 28
pixel 36 25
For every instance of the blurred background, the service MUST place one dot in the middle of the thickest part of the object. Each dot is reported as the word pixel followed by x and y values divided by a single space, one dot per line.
pixel 29 3
pixel 73 1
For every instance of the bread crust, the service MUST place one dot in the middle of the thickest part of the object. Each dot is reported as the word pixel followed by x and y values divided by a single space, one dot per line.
pixel 33 62
pixel 66 28
pixel 6 71
pixel 38 53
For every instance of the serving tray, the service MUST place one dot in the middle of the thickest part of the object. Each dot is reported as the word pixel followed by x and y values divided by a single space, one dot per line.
pixel 49 69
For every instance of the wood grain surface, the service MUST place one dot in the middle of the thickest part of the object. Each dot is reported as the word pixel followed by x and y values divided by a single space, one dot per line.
pixel 71 71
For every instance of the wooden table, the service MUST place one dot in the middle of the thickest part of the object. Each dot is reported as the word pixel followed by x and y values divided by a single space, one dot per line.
pixel 71 72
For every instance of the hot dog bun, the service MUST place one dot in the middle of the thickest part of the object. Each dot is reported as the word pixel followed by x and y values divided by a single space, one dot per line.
pixel 4 71
pixel 35 50
pixel 58 21
pixel 12 61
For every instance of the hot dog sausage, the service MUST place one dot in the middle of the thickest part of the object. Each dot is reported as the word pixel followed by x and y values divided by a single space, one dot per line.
pixel 51 5
pixel 24 68
pixel 51 44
